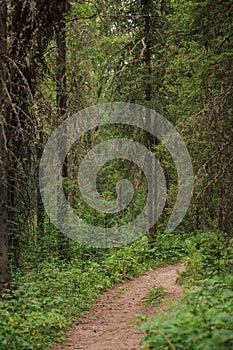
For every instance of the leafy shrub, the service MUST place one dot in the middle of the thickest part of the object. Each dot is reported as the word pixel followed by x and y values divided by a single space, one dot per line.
pixel 203 320
pixel 51 293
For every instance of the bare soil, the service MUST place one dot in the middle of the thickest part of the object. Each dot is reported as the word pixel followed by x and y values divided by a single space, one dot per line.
pixel 110 323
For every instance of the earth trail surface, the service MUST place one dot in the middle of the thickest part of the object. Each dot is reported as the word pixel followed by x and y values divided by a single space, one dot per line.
pixel 110 323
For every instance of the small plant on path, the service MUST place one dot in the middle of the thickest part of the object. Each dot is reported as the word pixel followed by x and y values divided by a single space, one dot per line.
pixel 154 297
pixel 123 289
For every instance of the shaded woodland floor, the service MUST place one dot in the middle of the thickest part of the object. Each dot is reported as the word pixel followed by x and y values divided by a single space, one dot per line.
pixel 110 323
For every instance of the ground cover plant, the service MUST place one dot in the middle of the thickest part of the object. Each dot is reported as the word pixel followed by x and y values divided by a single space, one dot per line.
pixel 204 318
pixel 154 297
pixel 44 299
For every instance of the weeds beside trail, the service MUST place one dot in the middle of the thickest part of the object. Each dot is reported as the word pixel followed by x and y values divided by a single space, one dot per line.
pixel 47 296
pixel 110 324
pixel 204 318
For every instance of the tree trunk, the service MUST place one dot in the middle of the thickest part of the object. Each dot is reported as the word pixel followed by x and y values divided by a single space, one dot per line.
pixel 61 107
pixel 151 140
pixel 4 270
pixel 39 207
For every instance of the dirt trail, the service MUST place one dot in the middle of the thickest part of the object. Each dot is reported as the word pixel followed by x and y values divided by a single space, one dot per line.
pixel 109 325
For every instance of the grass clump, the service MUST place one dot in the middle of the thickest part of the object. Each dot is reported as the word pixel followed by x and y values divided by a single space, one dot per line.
pixel 154 297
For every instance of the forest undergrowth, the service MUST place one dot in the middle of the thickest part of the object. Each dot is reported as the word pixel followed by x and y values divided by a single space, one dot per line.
pixel 203 319
pixel 46 296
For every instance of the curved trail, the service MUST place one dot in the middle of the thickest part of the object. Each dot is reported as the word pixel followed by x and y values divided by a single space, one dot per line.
pixel 109 324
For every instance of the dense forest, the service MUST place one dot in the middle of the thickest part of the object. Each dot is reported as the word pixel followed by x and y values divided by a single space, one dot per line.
pixel 60 57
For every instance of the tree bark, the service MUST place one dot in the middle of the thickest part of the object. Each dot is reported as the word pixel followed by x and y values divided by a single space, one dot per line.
pixel 151 140
pixel 4 270
pixel 39 207
pixel 61 77
pixel 61 108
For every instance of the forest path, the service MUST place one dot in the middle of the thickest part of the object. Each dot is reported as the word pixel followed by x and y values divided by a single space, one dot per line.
pixel 110 323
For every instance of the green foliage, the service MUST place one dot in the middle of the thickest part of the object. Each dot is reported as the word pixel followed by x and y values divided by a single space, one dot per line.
pixel 208 254
pixel 203 319
pixel 123 289
pixel 48 294
pixel 51 294
pixel 154 297
pixel 191 69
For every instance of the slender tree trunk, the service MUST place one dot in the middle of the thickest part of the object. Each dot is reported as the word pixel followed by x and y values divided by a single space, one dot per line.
pixel 39 207
pixel 205 219
pixel 61 78
pixel 61 107
pixel 147 53
pixel 150 138
pixel 224 212
pixel 4 271
pixel 61 67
